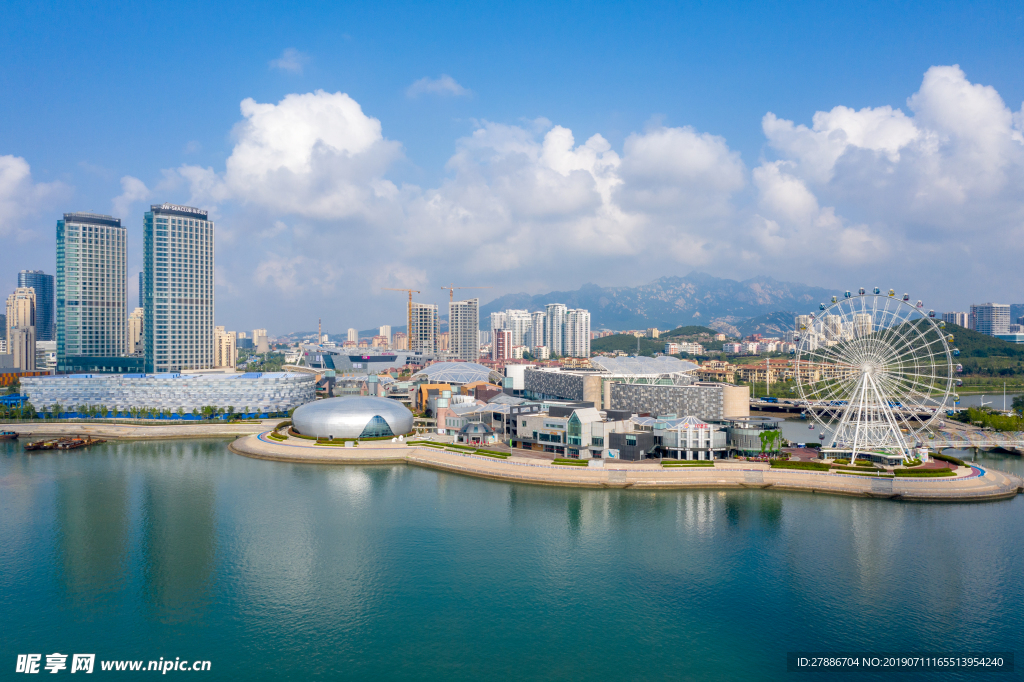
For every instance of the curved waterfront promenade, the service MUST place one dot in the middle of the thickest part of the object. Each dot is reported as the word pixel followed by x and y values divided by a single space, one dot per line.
pixel 971 484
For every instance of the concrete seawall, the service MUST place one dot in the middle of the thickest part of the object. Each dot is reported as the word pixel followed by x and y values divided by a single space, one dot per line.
pixel 969 486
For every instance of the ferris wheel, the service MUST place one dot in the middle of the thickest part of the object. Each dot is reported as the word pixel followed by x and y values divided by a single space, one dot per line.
pixel 875 371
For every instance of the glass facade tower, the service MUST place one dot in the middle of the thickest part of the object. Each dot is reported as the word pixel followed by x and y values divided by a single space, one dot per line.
pixel 177 280
pixel 43 284
pixel 90 287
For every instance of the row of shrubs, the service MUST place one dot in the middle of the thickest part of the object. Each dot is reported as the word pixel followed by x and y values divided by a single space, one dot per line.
pixel 276 433
pixel 859 462
pixel 805 466
pixel 674 465
pixel 923 473
pixel 566 461
pixel 949 458
pixel 468 449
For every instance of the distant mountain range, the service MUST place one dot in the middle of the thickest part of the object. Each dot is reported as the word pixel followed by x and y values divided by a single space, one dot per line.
pixel 670 302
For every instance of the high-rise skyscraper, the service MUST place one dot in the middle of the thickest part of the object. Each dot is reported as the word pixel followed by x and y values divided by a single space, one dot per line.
pixel 537 323
pixel 501 345
pixel 959 319
pixel 499 320
pixel 43 285
pixel 519 325
pixel 425 328
pixel 21 327
pixel 464 329
pixel 177 257
pixel 135 344
pixel 863 325
pixel 554 328
pixel 990 318
pixel 577 333
pixel 385 331
pixel 141 300
pixel 90 287
pixel 225 353
pixel 353 335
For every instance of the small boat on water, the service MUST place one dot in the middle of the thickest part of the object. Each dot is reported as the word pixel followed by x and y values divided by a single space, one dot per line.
pixel 65 443
pixel 75 443
pixel 41 445
pixel 8 435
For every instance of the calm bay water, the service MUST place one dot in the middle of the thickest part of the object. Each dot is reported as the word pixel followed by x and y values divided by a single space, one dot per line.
pixel 278 571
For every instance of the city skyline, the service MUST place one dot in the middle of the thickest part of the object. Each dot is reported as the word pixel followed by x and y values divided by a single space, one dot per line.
pixel 310 149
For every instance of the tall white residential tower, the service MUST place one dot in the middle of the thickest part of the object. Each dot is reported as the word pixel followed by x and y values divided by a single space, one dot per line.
pixel 577 333
pixel 91 314
pixel 464 329
pixel 177 266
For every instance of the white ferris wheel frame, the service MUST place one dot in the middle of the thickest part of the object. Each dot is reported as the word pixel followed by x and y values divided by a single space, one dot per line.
pixel 859 375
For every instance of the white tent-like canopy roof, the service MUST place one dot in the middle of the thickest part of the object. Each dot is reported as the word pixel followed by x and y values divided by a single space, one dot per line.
pixel 454 373
pixel 643 366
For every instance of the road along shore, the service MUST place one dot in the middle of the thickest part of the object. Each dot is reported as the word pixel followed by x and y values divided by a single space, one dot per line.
pixel 972 484
pixel 115 431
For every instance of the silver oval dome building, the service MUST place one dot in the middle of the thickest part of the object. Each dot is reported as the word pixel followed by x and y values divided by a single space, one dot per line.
pixel 352 417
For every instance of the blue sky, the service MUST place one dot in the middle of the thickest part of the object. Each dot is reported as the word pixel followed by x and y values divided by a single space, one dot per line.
pixel 471 176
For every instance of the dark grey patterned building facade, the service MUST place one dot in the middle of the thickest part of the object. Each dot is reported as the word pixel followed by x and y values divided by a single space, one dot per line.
pixel 705 401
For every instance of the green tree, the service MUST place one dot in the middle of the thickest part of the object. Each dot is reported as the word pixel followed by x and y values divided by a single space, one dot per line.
pixel 771 441
pixel 1018 405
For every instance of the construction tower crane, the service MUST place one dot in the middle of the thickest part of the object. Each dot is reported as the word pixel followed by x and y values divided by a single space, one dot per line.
pixel 408 329
pixel 452 288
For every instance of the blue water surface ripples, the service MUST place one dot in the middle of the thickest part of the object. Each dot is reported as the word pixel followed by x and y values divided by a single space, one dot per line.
pixel 282 571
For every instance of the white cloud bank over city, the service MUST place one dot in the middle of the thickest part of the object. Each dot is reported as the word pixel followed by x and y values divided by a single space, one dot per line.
pixel 928 194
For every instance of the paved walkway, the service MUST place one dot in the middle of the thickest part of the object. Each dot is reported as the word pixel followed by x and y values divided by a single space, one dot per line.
pixel 969 485
pixel 27 430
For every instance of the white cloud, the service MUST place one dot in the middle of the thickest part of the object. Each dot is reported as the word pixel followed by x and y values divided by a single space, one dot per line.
pixel 316 155
pixel 445 86
pixel 133 191
pixel 955 167
pixel 673 169
pixel 21 198
pixel 294 275
pixel 817 149
pixel 876 191
pixel 797 224
pixel 291 60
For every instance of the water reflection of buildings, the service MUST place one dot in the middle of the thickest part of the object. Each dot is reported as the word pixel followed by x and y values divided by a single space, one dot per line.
pixel 178 534
pixel 93 518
